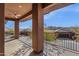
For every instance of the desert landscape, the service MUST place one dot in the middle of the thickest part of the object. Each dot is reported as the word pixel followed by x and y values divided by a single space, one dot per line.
pixel 53 45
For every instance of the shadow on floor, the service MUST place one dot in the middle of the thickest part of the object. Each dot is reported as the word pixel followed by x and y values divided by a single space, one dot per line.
pixel 36 54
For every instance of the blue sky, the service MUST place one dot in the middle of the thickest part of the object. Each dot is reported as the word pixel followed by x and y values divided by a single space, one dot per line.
pixel 64 17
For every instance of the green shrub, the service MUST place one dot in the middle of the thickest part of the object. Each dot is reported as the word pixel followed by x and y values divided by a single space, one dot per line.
pixel 49 36
pixel 11 31
pixel 30 34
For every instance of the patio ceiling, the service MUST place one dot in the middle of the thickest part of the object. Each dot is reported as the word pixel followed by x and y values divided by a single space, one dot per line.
pixel 16 10
pixel 23 11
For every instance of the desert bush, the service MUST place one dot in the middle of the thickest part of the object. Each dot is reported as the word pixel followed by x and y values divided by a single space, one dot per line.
pixel 30 34
pixel 49 36
pixel 77 38
pixel 11 32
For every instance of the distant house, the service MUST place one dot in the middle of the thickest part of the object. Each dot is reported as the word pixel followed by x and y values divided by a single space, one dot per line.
pixel 26 32
pixel 65 34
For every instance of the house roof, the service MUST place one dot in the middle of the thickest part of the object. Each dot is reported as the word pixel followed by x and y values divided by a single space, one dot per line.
pixel 64 30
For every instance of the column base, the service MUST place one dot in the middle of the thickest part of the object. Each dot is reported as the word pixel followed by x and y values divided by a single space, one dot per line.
pixel 34 53
pixel 1 54
pixel 38 52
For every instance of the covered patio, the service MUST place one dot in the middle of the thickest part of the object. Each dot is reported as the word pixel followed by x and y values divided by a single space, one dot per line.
pixel 21 12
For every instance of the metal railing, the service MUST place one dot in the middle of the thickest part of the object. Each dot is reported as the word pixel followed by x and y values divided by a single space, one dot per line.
pixel 60 45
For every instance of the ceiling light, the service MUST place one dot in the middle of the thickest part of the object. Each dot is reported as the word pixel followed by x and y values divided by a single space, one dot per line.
pixel 18 15
pixel 19 6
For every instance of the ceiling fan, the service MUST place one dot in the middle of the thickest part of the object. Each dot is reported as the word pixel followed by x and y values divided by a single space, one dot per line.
pixel 14 13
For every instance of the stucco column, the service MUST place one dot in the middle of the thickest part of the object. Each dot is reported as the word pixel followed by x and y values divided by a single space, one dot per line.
pixel 37 28
pixel 1 29
pixel 16 29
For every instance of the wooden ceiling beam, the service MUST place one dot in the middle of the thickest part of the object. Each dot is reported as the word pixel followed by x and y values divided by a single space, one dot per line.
pixel 25 15
pixel 26 18
pixel 49 7
pixel 11 19
pixel 55 6
pixel 30 12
